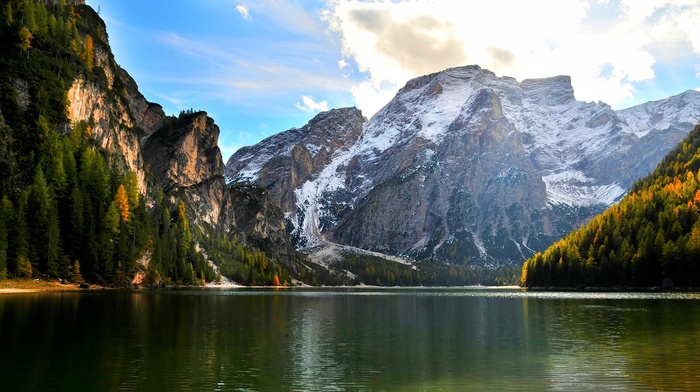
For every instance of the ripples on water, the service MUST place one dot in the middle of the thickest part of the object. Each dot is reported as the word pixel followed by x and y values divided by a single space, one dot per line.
pixel 475 291
pixel 350 339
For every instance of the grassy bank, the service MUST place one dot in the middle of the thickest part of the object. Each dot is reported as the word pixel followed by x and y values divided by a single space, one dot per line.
pixel 32 285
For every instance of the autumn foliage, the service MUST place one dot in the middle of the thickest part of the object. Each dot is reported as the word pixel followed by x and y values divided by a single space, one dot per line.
pixel 652 234
pixel 122 203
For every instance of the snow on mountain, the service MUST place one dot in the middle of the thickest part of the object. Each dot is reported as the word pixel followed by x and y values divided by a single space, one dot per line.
pixel 462 166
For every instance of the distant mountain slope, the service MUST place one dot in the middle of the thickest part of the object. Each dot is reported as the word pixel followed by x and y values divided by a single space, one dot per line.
pixel 651 235
pixel 462 166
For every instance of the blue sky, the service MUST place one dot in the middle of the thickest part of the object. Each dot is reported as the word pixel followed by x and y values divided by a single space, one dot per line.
pixel 262 67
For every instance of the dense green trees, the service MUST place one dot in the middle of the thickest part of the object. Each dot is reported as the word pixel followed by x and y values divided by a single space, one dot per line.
pixel 373 270
pixel 652 234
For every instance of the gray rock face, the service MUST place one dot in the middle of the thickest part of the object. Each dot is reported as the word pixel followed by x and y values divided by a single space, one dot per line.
pixel 463 166
pixel 281 163
pixel 262 222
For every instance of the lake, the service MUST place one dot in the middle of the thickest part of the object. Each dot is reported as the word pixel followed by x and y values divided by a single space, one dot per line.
pixel 349 339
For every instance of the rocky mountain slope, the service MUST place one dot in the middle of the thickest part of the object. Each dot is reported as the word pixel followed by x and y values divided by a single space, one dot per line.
pixel 462 166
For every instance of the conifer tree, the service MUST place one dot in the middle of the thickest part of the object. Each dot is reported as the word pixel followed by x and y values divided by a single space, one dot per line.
pixel 29 16
pixel 54 242
pixel 38 221
pixel 9 14
pixel 25 40
pixel 76 275
pixel 5 212
pixel 89 56
pixel 20 238
pixel 121 203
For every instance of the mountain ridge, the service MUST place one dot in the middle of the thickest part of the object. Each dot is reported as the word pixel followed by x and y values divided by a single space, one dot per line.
pixel 420 179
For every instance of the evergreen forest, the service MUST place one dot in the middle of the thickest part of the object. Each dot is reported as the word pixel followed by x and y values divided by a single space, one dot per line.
pixel 652 234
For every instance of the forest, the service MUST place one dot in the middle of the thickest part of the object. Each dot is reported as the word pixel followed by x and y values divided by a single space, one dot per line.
pixel 652 234
pixel 372 270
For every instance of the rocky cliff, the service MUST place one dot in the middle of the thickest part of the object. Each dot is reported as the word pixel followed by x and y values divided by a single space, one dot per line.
pixel 466 167
pixel 184 157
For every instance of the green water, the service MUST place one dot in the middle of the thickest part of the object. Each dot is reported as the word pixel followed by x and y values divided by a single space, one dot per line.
pixel 348 339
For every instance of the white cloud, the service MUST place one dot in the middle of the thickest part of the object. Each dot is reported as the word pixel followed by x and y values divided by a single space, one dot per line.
pixel 697 70
pixel 370 97
pixel 606 47
pixel 310 106
pixel 342 63
pixel 243 10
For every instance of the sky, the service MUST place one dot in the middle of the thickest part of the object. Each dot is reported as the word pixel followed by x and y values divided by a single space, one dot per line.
pixel 262 67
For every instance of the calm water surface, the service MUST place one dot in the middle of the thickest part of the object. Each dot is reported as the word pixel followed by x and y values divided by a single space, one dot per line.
pixel 349 339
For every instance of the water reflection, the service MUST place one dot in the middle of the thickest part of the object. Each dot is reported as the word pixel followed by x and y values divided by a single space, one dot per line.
pixel 300 340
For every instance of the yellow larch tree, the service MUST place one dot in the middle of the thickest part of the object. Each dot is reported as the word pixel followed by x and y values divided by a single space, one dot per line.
pixel 122 202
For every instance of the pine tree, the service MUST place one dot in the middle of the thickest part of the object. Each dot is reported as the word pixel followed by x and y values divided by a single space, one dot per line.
pixel 9 14
pixel 5 214
pixel 77 276
pixel 132 191
pixel 121 203
pixel 25 40
pixel 20 234
pixel 75 225
pixel 54 242
pixel 89 55
pixel 28 15
pixel 38 221
pixel 24 267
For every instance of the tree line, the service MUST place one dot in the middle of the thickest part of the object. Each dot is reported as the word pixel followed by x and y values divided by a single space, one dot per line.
pixel 372 270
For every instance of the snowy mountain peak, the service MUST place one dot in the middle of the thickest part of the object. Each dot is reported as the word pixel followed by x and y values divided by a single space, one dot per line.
pixel 462 166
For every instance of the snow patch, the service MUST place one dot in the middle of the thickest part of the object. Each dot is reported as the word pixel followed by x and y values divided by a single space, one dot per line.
pixel 309 199
pixel 331 252
pixel 575 189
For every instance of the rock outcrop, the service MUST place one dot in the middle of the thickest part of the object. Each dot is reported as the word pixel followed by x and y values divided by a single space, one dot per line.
pixel 185 159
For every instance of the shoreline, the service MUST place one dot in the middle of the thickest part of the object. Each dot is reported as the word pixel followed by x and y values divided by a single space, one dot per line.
pixel 25 286
pixel 19 286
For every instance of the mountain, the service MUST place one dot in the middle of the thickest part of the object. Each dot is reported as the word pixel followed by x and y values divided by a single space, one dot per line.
pixel 97 182
pixel 461 166
pixel 650 238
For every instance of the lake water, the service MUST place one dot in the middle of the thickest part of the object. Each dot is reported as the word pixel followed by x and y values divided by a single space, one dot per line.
pixel 349 339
